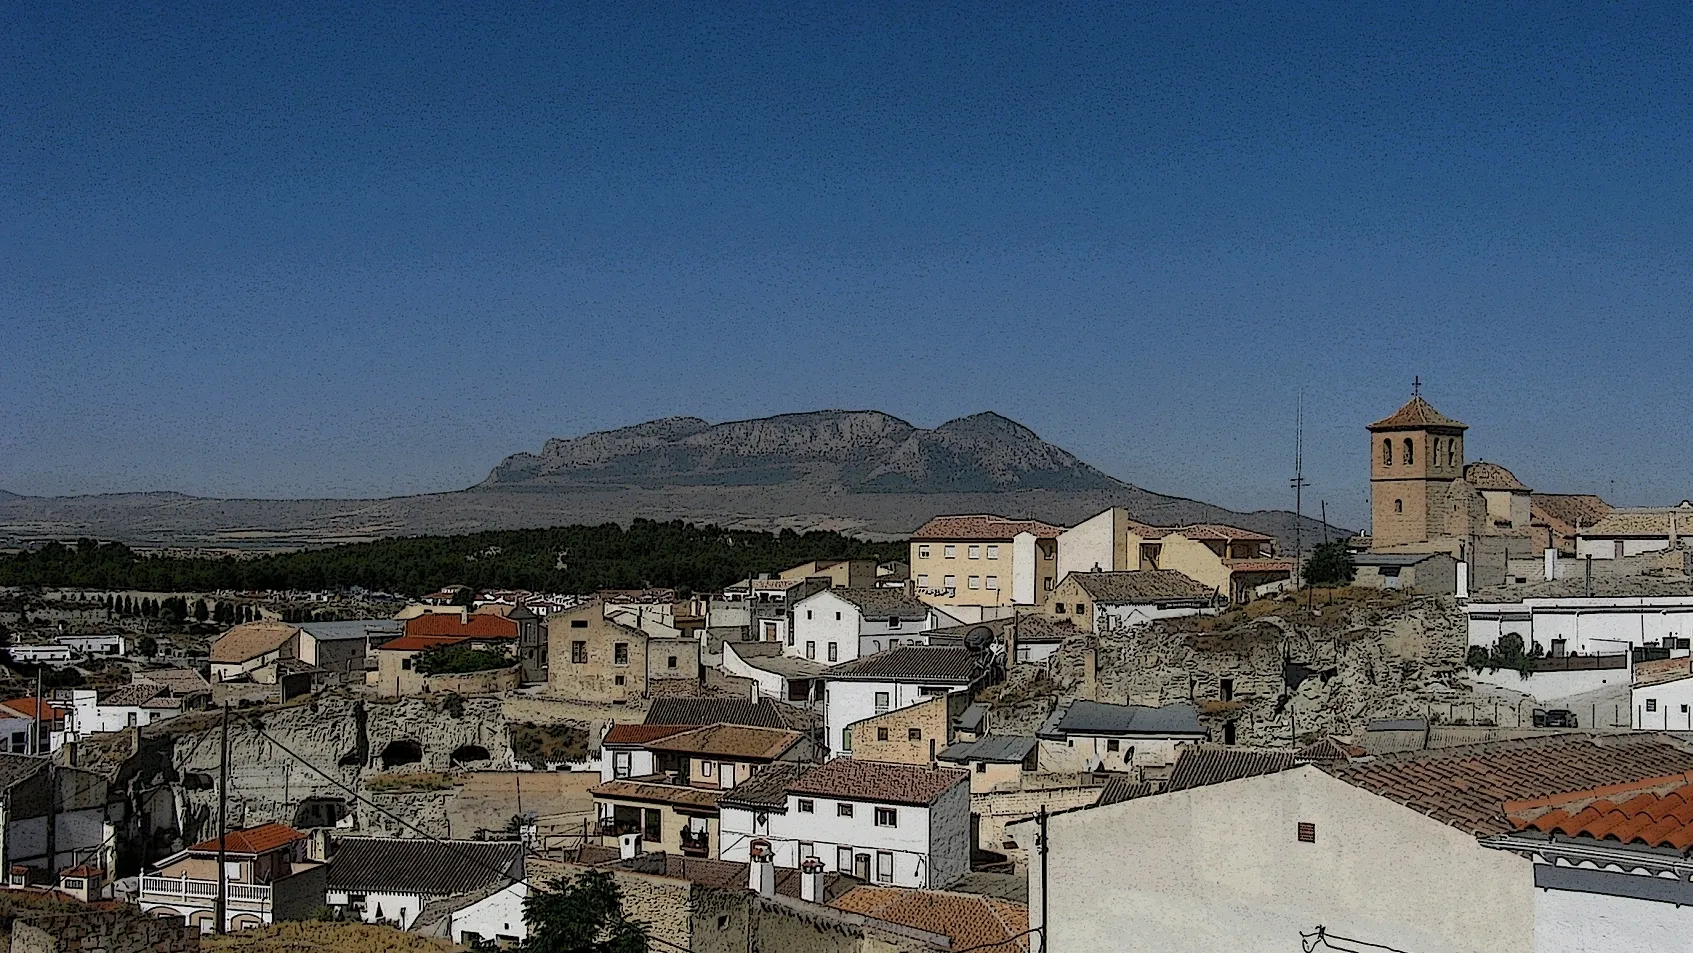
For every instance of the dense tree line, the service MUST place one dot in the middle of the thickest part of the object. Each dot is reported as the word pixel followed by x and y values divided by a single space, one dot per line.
pixel 569 559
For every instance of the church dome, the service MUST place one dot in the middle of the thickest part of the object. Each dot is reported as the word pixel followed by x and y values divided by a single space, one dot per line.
pixel 1491 476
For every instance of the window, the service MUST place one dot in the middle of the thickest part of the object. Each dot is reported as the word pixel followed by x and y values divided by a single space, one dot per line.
pixel 843 810
pixel 922 552
pixel 1112 745
pixel 993 552
pixel 1434 459
pixel 1452 452
pixel 578 623
pixel 974 552
pixel 950 582
pixel 846 739
pixel 884 867
pixel 620 653
pixel 653 828
pixel 881 734
pixel 834 651
pixel 808 613
pixel 20 741
pixel 949 552
pixel 620 764
pixel 705 769
pixel 806 806
pixel 881 703
pixel 913 734
pixel 1046 583
pixel 811 650
pixel 1307 832
pixel 579 653
pixel 1225 690
pixel 617 680
pixel 405 664
pixel 975 582
pixel 1651 704
pixel 993 583
pixel 893 622
pixel 1408 454
pixel 1081 608
pixel 981 767
pixel 843 859
pixel 807 849
pixel 922 580
pixel 790 638
pixel 672 661
pixel 887 817
pixel 837 617
pixel 1387 452
pixel 723 923
pixel 1058 608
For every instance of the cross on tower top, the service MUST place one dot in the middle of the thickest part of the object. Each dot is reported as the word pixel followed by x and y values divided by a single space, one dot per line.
pixel 1416 386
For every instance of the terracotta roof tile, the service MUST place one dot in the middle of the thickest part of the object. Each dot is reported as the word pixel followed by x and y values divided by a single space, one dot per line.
pixel 1220 531
pixel 639 734
pixel 250 640
pixel 1416 413
pixel 420 643
pixel 853 780
pixel 30 708
pixel 982 527
pixel 1259 565
pixel 734 741
pixel 473 626
pixel 971 920
pixel 654 790
pixel 253 840
pixel 1654 812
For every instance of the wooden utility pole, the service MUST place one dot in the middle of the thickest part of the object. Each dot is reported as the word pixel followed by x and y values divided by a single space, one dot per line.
pixel 222 903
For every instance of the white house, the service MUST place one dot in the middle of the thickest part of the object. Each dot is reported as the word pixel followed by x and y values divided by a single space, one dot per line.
pixel 1093 736
pixel 106 644
pixel 391 879
pixel 891 680
pixel 1632 531
pixel 897 824
pixel 51 653
pixel 1401 851
pixel 624 753
pixel 19 715
pixel 130 706
pixel 777 674
pixel 1586 640
pixel 1662 695
pixel 493 914
pixel 838 625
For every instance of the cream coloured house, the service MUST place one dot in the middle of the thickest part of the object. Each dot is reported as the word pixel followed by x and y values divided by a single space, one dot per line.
pixel 977 567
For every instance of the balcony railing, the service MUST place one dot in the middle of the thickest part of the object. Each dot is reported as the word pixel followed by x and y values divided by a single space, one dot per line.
pixel 696 843
pixel 185 888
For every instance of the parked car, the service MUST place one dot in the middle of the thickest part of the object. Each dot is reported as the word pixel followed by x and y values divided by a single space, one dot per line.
pixel 1556 718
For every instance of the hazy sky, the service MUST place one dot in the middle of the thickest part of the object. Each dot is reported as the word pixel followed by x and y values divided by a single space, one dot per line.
pixel 365 250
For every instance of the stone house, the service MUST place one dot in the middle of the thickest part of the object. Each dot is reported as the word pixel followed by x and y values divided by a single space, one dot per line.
pixel 892 680
pixel 995 762
pixel 594 659
pixel 1432 573
pixel 397 673
pixel 911 735
pixel 1226 560
pixel 531 637
pixel 1093 736
pixel 1107 601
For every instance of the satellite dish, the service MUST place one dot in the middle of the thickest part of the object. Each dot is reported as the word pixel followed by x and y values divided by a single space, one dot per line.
pixel 979 639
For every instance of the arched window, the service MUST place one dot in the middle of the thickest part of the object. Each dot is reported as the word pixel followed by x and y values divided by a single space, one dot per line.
pixel 1408 455
pixel 1387 453
pixel 1435 460
pixel 1452 452
pixel 1398 506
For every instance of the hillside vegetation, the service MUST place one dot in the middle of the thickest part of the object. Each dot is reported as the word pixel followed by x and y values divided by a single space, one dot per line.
pixel 568 559
pixel 325 938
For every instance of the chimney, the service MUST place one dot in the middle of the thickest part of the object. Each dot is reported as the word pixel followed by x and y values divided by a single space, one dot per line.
pixel 811 880
pixel 910 588
pixel 628 846
pixel 761 872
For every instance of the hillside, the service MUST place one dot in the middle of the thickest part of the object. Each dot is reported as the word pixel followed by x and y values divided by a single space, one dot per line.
pixel 860 472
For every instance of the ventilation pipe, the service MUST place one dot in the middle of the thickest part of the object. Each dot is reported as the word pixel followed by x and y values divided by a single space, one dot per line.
pixel 761 872
pixel 811 880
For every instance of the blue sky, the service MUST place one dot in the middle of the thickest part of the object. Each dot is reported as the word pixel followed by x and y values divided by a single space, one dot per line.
pixel 370 249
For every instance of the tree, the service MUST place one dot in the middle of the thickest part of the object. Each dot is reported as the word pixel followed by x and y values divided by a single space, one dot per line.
pixel 581 914
pixel 1330 565
pixel 201 613
pixel 147 646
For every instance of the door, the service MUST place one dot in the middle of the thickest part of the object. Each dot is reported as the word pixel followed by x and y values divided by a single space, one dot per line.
pixel 861 867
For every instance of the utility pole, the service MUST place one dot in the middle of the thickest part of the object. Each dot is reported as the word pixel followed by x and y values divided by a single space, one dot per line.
pixel 1045 927
pixel 223 826
pixel 35 720
pixel 1298 484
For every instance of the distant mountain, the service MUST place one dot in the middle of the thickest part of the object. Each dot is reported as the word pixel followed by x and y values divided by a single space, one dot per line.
pixel 861 472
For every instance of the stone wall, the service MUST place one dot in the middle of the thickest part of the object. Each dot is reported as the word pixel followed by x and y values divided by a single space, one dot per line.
pixel 121 930
pixel 475 683
pixel 929 718
pixel 994 811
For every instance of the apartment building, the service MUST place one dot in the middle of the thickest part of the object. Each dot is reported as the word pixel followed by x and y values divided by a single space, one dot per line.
pixel 977 567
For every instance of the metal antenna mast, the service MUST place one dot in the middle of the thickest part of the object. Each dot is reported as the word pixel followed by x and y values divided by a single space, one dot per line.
pixel 1298 484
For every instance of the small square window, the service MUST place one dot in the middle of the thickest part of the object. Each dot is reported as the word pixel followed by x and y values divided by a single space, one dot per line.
pixel 806 806
pixel 913 734
pixel 922 580
pixel 975 552
pixel 843 810
pixel 993 552
pixel 950 552
pixel 405 664
pixel 672 661
pixel 922 552
pixel 1307 832
pixel 993 583
pixel 1058 608
pixel 618 681
pixel 975 582
pixel 1651 704
pixel 881 734
pixel 1112 745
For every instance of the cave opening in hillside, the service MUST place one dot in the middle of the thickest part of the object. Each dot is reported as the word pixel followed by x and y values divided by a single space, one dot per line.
pixel 465 754
pixel 401 752
pixel 320 812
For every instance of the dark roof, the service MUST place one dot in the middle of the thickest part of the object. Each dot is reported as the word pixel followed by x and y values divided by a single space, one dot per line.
pixel 999 749
pixel 133 695
pixel 766 790
pixel 639 735
pixel 18 767
pixel 729 741
pixel 948 664
pixel 881 603
pixel 1120 788
pixel 1467 786
pixel 1200 766
pixel 658 789
pixel 416 865
pixel 1083 717
pixel 1416 413
pixel 714 711
pixel 1330 749
pixel 1034 627
pixel 848 779
pixel 972 718
pixel 352 629
pixel 1142 586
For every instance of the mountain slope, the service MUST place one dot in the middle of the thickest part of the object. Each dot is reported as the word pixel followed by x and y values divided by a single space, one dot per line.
pixel 861 472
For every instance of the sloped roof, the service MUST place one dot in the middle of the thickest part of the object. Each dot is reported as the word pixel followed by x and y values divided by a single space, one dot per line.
pixel 693 712
pixel 180 681
pixel 1330 749
pixel 982 527
pixel 882 603
pixel 849 779
pixel 1657 812
pixel 1417 413
pixel 1491 476
pixel 17 767
pixel 1633 522
pixel 943 664
pixel 971 920
pixel 1200 766
pixel 30 708
pixel 253 840
pixel 1083 717
pixel 421 643
pixel 1119 788
pixel 133 695
pixel 1219 531
pixel 471 626
pixel 1141 586
pixel 654 789
pixel 767 789
pixel 639 734
pixel 729 741
pixel 349 629
pixel 417 865
pixel 249 640
pixel 997 749
pixel 1567 510
pixel 1467 786
pixel 1034 627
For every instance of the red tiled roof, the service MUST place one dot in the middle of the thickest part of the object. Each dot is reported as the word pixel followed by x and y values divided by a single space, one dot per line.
pixel 253 840
pixel 1219 531
pixel 30 708
pixel 972 921
pixel 655 789
pixel 640 734
pixel 1657 812
pixel 1417 413
pixel 734 741
pixel 852 780
pixel 474 626
pixel 983 527
pixel 419 643
pixel 1468 786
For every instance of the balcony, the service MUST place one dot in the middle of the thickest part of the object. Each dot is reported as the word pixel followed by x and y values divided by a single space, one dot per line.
pixel 696 843
pixel 187 890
